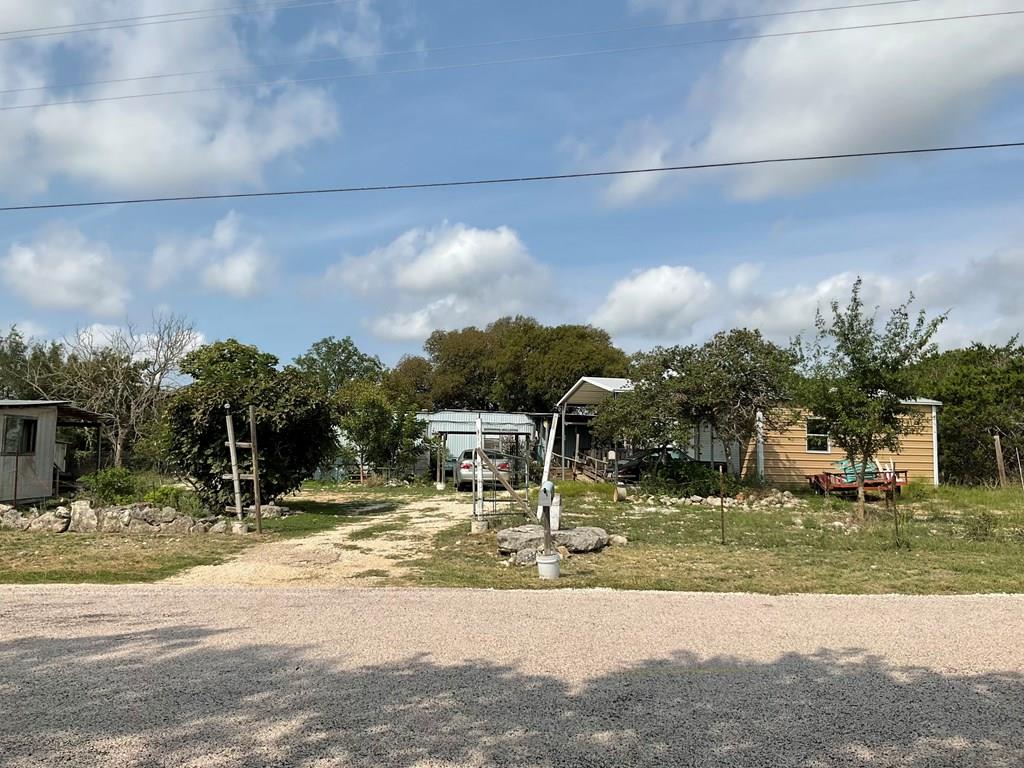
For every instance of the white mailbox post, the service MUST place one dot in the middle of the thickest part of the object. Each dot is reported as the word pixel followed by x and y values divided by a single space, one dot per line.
pixel 548 561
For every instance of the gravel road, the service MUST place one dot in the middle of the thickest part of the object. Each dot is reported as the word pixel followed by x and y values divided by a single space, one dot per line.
pixel 212 676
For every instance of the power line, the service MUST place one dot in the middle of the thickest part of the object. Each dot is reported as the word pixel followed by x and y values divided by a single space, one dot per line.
pixel 511 179
pixel 500 62
pixel 161 18
pixel 460 47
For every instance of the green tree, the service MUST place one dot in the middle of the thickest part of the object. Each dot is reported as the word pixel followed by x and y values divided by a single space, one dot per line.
pixel 295 421
pixel 335 363
pixel 651 415
pixel 724 383
pixel 733 379
pixel 517 364
pixel 856 377
pixel 28 366
pixel 382 431
pixel 462 370
pixel 411 381
pixel 982 392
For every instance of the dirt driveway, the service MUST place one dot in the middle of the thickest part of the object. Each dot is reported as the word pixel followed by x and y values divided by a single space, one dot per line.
pixel 162 676
pixel 355 554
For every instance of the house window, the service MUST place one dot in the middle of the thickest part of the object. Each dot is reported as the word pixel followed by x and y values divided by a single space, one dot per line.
pixel 19 436
pixel 817 436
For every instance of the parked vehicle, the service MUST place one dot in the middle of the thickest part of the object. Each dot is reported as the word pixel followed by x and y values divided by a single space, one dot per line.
pixel 670 463
pixel 464 469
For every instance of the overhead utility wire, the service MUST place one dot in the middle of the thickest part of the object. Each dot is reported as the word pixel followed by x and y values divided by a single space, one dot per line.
pixel 510 179
pixel 498 62
pixel 159 18
pixel 457 47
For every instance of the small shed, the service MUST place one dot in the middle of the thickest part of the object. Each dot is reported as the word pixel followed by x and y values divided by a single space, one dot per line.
pixel 31 457
pixel 459 429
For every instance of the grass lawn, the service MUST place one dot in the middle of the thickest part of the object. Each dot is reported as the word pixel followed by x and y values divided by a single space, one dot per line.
pixel 961 541
pixel 112 558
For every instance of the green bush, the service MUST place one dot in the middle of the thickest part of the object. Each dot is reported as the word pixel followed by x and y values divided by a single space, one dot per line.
pixel 115 485
pixel 689 478
pixel 182 499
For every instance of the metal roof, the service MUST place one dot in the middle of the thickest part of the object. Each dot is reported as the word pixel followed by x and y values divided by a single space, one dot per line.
pixel 922 401
pixel 591 390
pixel 32 403
pixel 465 421
pixel 67 414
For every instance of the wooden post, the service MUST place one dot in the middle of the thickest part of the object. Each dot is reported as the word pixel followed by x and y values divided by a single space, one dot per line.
pixel 721 497
pixel 1020 469
pixel 255 469
pixel 549 547
pixel 1000 467
pixel 17 454
pixel 233 450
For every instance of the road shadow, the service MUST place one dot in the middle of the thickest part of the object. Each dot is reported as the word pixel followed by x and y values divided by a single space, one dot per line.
pixel 186 695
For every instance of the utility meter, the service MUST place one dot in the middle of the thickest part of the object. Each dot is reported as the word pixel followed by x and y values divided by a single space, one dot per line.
pixel 547 494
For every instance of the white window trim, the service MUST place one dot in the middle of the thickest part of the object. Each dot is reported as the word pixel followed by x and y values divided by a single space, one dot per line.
pixel 828 440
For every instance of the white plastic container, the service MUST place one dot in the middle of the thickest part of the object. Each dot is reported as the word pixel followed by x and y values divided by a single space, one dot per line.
pixel 549 566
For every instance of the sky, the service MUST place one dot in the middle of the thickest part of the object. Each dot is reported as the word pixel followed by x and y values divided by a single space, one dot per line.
pixel 370 92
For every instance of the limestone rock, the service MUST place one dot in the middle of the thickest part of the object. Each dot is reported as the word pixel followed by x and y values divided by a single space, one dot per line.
pixel 564 553
pixel 49 522
pixel 526 557
pixel 197 529
pixel 83 518
pixel 583 539
pixel 13 519
pixel 140 526
pixel 166 515
pixel 111 520
pixel 219 527
pixel 239 529
pixel 511 540
pixel 576 540
pixel 618 540
pixel 180 526
pixel 63 513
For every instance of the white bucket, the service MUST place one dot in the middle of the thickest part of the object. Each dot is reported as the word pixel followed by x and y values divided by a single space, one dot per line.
pixel 439 486
pixel 548 566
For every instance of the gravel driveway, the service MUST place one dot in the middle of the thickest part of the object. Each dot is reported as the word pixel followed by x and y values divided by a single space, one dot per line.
pixel 201 676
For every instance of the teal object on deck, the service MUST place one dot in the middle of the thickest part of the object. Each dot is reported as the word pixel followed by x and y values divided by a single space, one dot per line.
pixel 846 468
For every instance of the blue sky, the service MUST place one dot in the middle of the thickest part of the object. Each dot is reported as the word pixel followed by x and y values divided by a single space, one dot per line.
pixel 654 260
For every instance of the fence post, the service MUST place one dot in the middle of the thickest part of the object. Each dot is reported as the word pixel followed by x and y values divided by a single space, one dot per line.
pixel 233 450
pixel 1000 467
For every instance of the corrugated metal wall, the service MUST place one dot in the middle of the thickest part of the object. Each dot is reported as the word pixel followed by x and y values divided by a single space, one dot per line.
pixel 35 473
pixel 494 424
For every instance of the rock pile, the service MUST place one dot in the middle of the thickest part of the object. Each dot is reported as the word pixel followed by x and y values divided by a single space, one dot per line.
pixel 757 500
pixel 523 542
pixel 139 518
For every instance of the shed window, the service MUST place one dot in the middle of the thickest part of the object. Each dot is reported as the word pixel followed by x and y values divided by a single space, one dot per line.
pixel 817 436
pixel 19 435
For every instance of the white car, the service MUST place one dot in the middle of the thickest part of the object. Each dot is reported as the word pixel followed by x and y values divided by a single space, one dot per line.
pixel 464 469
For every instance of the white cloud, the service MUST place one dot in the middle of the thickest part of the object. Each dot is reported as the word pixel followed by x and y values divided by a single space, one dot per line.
pixel 62 269
pixel 663 302
pixel 444 277
pixel 743 277
pixel 355 31
pixel 228 261
pixel 852 91
pixel 671 304
pixel 30 329
pixel 222 137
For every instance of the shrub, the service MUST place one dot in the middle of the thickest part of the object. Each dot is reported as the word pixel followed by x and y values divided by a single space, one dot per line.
pixel 115 485
pixel 182 499
pixel 689 478
pixel 294 422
